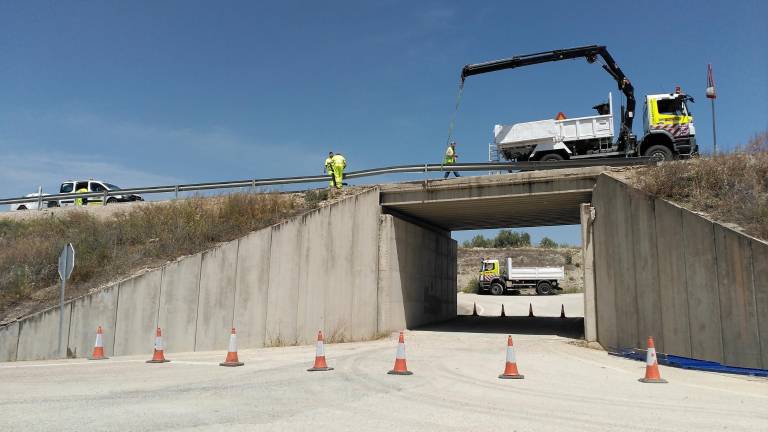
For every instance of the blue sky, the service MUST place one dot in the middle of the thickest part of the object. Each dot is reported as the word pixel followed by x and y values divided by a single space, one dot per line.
pixel 142 93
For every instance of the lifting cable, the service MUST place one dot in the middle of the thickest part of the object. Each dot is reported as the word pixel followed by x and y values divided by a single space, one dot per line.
pixel 452 123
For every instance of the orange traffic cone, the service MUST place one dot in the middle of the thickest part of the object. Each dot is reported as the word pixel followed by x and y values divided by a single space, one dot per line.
pixel 158 356
pixel 510 369
pixel 400 366
pixel 98 347
pixel 562 311
pixel 652 374
pixel 320 364
pixel 231 360
pixel 530 311
pixel 474 309
pixel 502 311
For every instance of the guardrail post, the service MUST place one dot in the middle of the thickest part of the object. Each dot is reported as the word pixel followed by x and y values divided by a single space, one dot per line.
pixel 104 198
pixel 39 198
pixel 176 191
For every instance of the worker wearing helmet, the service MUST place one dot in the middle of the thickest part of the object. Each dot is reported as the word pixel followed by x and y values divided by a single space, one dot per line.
pixel 339 163
pixel 450 158
pixel 80 201
pixel 329 169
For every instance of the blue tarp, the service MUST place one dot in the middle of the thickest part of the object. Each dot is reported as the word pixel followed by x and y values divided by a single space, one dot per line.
pixel 690 363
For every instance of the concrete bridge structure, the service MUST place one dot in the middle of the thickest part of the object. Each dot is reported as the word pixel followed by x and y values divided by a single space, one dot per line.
pixel 383 260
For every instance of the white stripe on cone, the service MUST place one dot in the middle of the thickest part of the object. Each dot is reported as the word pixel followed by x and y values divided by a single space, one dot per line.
pixel 400 351
pixel 99 343
pixel 159 343
pixel 650 358
pixel 232 342
pixel 320 349
pixel 511 355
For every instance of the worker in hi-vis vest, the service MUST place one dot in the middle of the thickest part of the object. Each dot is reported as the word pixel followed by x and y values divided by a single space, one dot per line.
pixel 450 159
pixel 339 163
pixel 80 201
pixel 329 169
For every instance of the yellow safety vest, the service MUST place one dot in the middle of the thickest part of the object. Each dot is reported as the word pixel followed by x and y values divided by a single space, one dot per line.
pixel 329 164
pixel 450 157
pixel 338 160
pixel 80 200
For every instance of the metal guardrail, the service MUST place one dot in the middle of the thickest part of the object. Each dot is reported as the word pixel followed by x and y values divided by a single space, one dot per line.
pixel 423 168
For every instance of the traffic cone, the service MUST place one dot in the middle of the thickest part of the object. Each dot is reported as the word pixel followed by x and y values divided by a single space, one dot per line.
pixel 562 311
pixel 502 311
pixel 98 347
pixel 400 366
pixel 530 311
pixel 510 369
pixel 320 364
pixel 231 360
pixel 474 309
pixel 652 374
pixel 159 355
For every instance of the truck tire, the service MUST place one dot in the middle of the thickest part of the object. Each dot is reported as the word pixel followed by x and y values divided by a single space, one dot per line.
pixel 497 288
pixel 544 288
pixel 660 152
pixel 552 157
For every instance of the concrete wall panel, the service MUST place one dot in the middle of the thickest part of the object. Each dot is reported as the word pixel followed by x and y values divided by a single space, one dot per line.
pixel 605 233
pixel 738 312
pixel 88 313
pixel 137 307
pixel 215 309
pixel 339 295
pixel 760 275
pixel 251 288
pixel 178 303
pixel 703 296
pixel 315 275
pixel 9 341
pixel 39 335
pixel 364 266
pixel 673 293
pixel 624 272
pixel 649 317
pixel 283 291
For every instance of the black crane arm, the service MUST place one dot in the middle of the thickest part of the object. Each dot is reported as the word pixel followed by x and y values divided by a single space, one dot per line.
pixel 590 52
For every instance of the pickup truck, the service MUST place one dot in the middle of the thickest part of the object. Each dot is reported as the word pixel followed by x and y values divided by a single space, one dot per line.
pixel 544 279
pixel 72 186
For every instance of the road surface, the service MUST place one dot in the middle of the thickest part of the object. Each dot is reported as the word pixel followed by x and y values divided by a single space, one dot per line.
pixel 517 305
pixel 454 388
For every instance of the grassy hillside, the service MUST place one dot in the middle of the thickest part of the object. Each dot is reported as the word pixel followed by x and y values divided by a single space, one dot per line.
pixel 732 187
pixel 123 242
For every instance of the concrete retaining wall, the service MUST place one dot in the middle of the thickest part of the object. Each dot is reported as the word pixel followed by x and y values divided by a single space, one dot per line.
pixel 698 287
pixel 319 271
pixel 417 275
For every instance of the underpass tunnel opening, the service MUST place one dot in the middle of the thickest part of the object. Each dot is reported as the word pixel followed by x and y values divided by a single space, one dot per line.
pixel 525 280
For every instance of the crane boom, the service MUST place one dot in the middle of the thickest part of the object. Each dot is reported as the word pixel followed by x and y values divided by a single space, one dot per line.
pixel 591 53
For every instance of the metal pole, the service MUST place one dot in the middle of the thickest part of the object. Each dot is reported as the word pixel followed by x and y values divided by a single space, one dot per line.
pixel 714 132
pixel 39 197
pixel 61 313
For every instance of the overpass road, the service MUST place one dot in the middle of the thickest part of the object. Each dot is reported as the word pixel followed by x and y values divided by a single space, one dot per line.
pixel 455 387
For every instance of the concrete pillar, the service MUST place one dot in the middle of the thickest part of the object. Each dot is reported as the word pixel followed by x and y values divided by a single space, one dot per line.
pixel 588 266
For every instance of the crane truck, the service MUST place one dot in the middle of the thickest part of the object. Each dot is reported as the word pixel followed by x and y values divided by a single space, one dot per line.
pixel 668 124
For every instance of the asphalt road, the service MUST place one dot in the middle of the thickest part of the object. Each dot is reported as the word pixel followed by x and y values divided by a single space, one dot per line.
pixel 454 388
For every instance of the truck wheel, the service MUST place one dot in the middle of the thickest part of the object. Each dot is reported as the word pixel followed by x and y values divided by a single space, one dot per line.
pixel 544 288
pixel 551 157
pixel 660 152
pixel 497 288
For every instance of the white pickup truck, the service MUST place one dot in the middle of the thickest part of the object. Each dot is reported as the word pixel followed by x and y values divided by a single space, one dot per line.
pixel 544 279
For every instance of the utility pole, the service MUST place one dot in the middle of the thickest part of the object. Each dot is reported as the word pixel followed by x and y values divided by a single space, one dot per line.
pixel 711 95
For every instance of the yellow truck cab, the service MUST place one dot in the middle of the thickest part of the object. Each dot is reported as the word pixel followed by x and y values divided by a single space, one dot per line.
pixel 668 124
pixel 543 279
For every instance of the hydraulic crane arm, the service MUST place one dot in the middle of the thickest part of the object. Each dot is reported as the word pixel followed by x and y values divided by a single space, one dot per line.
pixel 590 53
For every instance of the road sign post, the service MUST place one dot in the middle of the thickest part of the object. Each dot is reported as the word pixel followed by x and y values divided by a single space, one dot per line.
pixel 66 265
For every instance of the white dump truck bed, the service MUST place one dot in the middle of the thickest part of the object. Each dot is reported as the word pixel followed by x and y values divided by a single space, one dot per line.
pixel 534 273
pixel 524 137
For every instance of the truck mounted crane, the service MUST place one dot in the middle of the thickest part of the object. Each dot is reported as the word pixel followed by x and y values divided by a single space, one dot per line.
pixel 668 126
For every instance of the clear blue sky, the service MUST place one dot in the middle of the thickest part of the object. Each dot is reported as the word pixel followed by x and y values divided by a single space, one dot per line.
pixel 141 93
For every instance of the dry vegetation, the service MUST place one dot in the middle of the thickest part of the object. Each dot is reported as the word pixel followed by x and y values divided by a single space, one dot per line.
pixel 731 187
pixel 117 246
